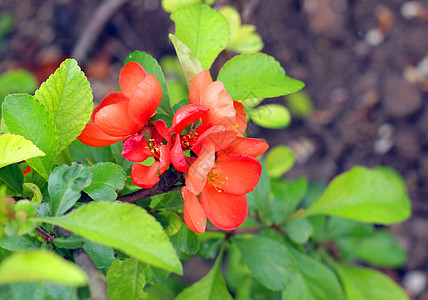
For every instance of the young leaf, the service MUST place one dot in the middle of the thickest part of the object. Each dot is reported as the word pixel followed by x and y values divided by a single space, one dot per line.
pixel 126 280
pixel 210 287
pixel 271 116
pixel 26 116
pixel 271 262
pixel 368 284
pixel 65 184
pixel 68 98
pixel 15 148
pixel 40 265
pixel 122 226
pixel 190 65
pixel 279 160
pixel 256 75
pixel 205 38
pixel 364 195
pixel 173 5
pixel 314 281
pixel 106 179
pixel 152 66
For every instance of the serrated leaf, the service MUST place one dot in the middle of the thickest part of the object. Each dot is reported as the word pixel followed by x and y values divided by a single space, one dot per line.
pixel 203 29
pixel 68 98
pixel 15 148
pixel 368 284
pixel 270 116
pixel 26 116
pixel 126 280
pixel 364 195
pixel 106 179
pixel 279 160
pixel 173 5
pixel 210 287
pixel 270 262
pixel 256 75
pixel 65 184
pixel 40 265
pixel 152 66
pixel 124 227
pixel 190 65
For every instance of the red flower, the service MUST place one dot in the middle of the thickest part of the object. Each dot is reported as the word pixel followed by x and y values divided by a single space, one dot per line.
pixel 124 113
pixel 222 184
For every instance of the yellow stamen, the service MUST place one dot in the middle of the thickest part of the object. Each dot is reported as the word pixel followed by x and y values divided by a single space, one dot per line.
pixel 216 180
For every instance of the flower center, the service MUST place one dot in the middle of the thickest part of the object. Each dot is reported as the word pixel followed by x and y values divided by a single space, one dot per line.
pixel 217 180
pixel 188 140
pixel 154 148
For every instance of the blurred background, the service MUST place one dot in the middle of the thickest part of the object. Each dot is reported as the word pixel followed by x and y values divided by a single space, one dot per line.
pixel 364 63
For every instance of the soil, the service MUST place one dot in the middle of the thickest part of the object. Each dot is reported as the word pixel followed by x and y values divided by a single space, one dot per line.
pixel 364 63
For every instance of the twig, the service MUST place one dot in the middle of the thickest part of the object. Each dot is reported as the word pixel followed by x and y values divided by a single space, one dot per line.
pixel 97 281
pixel 166 184
pixel 96 24
pixel 48 237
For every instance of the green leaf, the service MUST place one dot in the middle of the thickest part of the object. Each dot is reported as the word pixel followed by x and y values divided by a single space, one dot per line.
pixel 26 116
pixel 300 104
pixel 259 198
pixel 85 154
pixel 126 280
pixel 270 261
pixel 41 291
pixel 187 240
pixel 15 148
pixel 210 287
pixel 364 195
pixel 72 242
pixel 270 116
pixel 368 284
pixel 106 179
pixel 279 160
pixel 298 230
pixel 314 281
pixel 68 98
pixel 40 265
pixel 122 226
pixel 16 81
pixel 174 222
pixel 173 5
pixel 152 66
pixel 65 184
pixel 102 256
pixel 203 29
pixel 190 65
pixel 256 75
pixel 37 194
pixel 17 243
pixel 12 176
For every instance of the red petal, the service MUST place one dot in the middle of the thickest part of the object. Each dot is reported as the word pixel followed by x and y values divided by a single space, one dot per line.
pixel 186 115
pixel 114 120
pixel 198 171
pixel 165 158
pixel 145 100
pixel 162 130
pixel 194 214
pixel 242 172
pixel 177 156
pixel 224 211
pixel 247 146
pixel 240 117
pixel 145 176
pixel 131 75
pixel 202 128
pixel 198 85
pixel 218 136
pixel 95 137
pixel 112 98
pixel 220 104
pixel 135 148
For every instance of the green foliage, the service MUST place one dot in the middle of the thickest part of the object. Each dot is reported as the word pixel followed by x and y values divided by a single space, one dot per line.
pixel 102 256
pixel 39 291
pixel 279 160
pixel 256 75
pixel 12 176
pixel 40 265
pixel 204 38
pixel 26 116
pixel 300 104
pixel 364 195
pixel 107 178
pixel 89 221
pixel 270 116
pixel 68 98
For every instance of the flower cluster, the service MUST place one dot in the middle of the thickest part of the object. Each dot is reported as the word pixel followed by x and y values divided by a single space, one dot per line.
pixel 204 142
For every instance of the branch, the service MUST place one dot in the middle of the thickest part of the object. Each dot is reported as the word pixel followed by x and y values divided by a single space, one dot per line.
pixel 166 184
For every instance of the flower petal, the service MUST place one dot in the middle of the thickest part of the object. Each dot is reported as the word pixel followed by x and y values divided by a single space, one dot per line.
pixel 194 214
pixel 145 100
pixel 220 104
pixel 224 211
pixel 131 75
pixel 111 98
pixel 248 146
pixel 198 85
pixel 199 169
pixel 186 115
pixel 242 172
pixel 165 158
pixel 219 136
pixel 162 130
pixel 135 148
pixel 240 117
pixel 95 137
pixel 145 176
pixel 177 156
pixel 114 120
